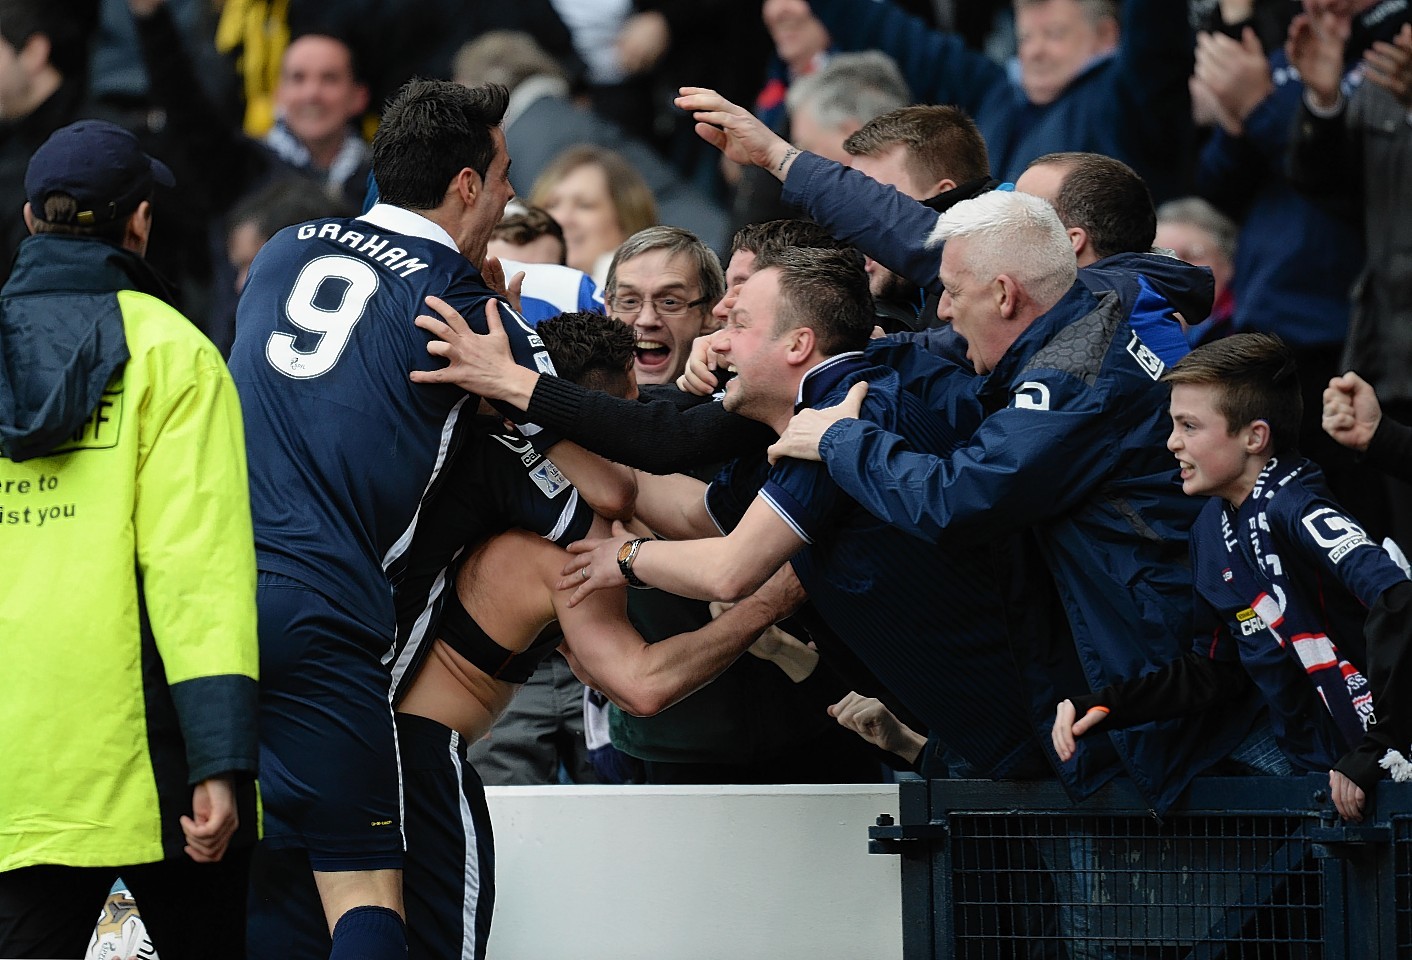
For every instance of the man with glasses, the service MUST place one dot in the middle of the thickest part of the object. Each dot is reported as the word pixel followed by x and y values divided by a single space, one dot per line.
pixel 663 282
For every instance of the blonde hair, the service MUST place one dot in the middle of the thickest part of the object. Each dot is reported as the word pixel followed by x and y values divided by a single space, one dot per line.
pixel 631 198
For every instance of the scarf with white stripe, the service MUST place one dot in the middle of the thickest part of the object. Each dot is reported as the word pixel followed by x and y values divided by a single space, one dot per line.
pixel 1257 573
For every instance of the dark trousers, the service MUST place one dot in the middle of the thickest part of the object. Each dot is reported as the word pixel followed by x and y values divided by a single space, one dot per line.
pixel 191 910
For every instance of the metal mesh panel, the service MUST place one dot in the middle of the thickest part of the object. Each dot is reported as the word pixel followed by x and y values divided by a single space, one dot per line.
pixel 1104 887
pixel 1402 880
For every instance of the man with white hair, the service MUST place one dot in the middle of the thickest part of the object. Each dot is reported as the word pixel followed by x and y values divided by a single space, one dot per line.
pixel 1071 455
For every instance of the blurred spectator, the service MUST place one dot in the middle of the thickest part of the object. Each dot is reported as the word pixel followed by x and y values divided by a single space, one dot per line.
pixel 1356 144
pixel 801 47
pixel 318 98
pixel 1296 257
pixel 542 122
pixel 1269 19
pixel 529 235
pixel 530 241
pixel 826 107
pixel 1076 89
pixel 1203 236
pixel 280 204
pixel 42 68
pixel 599 200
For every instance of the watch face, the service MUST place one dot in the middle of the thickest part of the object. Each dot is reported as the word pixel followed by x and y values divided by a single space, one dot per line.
pixel 624 552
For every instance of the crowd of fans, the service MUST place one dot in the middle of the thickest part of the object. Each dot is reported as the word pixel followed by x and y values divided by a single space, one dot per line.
pixel 1021 388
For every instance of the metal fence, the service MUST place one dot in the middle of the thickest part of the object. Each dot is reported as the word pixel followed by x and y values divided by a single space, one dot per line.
pixel 1246 868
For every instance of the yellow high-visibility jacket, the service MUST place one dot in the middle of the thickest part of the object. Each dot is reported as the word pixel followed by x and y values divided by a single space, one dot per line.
pixel 127 569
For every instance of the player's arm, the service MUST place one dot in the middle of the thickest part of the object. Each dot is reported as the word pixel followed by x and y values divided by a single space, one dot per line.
pixel 609 488
pixel 674 506
pixel 722 568
pixel 645 678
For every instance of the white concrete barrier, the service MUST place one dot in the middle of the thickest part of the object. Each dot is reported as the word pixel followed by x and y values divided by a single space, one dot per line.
pixel 691 873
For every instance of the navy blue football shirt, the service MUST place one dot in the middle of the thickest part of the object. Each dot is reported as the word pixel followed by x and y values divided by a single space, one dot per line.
pixel 343 447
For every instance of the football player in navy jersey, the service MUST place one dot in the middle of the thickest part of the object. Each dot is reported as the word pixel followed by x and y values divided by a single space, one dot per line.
pixel 494 630
pixel 344 449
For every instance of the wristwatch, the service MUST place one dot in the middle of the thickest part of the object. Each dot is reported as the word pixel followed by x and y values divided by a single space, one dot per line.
pixel 627 553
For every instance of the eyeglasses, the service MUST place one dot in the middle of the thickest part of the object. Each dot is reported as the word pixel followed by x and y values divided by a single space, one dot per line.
pixel 662 306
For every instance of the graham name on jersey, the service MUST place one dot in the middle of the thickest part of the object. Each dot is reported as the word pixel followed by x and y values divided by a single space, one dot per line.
pixel 372 246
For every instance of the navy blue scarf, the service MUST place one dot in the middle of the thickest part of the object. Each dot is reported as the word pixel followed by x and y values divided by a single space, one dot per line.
pixel 1258 574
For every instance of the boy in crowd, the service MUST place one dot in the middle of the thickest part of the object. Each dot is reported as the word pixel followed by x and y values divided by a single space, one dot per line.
pixel 1291 595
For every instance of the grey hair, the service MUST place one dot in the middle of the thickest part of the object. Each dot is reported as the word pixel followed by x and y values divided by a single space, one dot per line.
pixel 854 86
pixel 506 57
pixel 673 240
pixel 1019 235
pixel 1198 213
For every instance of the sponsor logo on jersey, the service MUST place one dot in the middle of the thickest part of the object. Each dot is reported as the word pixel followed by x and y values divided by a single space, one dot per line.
pixel 542 361
pixel 1250 622
pixel 547 477
pixel 1031 395
pixel 1150 363
pixel 1335 532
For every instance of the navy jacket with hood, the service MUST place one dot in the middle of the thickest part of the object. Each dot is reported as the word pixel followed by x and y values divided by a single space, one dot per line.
pixel 1071 452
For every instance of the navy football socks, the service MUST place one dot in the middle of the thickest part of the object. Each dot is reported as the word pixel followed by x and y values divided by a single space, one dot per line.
pixel 369 933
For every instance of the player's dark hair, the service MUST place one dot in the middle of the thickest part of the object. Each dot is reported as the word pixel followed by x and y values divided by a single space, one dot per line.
pixel 826 291
pixel 590 349
pixel 1254 377
pixel 431 131
pixel 1107 199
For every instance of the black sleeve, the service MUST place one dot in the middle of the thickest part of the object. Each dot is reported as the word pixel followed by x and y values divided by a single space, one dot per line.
pixel 656 435
pixel 1391 449
pixel 1182 687
pixel 1325 161
pixel 1388 631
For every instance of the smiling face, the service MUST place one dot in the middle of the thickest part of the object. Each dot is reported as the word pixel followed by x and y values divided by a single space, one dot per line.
pixel 663 342
pixel 750 347
pixel 318 94
pixel 1056 39
pixel 1214 462
pixel 583 207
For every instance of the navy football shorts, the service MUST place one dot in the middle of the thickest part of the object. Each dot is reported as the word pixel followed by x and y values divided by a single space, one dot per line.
pixel 449 882
pixel 328 748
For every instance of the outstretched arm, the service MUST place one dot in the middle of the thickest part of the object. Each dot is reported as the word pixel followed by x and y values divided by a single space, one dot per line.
pixel 645 678
pixel 720 568
pixel 657 436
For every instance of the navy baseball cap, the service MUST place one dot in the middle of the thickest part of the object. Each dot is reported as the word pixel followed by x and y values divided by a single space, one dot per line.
pixel 97 163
